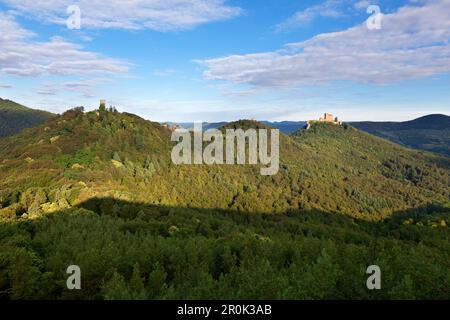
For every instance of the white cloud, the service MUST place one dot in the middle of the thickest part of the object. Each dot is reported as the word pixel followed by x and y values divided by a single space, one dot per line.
pixel 160 15
pixel 363 4
pixel 23 56
pixel 413 43
pixel 47 90
pixel 5 86
pixel 85 87
pixel 329 8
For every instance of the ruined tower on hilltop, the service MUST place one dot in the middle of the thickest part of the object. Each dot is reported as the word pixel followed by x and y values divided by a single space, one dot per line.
pixel 328 117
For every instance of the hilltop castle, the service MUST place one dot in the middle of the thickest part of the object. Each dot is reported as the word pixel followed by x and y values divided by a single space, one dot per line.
pixel 171 128
pixel 327 117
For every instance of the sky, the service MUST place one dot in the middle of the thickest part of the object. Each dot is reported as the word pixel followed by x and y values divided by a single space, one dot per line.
pixel 224 60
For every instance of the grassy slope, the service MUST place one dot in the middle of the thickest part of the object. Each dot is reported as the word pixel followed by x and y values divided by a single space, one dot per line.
pixel 15 117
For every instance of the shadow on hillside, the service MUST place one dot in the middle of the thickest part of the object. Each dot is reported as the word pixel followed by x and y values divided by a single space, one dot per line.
pixel 132 210
pixel 106 205
pixel 191 253
pixel 129 211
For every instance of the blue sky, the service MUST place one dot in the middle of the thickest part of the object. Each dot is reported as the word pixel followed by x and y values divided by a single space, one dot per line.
pixel 214 60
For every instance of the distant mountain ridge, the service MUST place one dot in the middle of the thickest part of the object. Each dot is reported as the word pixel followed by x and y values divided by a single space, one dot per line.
pixel 287 127
pixel 430 133
pixel 15 117
pixel 432 121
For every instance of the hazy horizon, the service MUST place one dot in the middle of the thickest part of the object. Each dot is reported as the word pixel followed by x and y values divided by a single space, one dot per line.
pixel 405 118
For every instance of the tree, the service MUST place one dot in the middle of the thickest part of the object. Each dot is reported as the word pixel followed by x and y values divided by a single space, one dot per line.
pixel 116 288
pixel 102 108
pixel 403 290
pixel 116 157
pixel 136 288
pixel 157 281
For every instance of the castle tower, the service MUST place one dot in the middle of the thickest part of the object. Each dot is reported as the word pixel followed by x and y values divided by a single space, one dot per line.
pixel 327 117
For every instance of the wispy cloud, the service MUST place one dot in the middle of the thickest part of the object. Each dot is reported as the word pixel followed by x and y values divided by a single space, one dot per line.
pixel 363 4
pixel 47 90
pixel 160 15
pixel 413 43
pixel 21 55
pixel 326 9
pixel 329 8
pixel 85 87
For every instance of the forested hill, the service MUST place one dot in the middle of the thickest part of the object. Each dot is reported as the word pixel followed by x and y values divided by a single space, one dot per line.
pixel 431 133
pixel 15 117
pixel 99 190
pixel 79 156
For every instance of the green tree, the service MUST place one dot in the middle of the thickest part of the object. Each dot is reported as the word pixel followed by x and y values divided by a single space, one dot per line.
pixel 403 290
pixel 157 282
pixel 116 288
pixel 136 287
pixel 116 157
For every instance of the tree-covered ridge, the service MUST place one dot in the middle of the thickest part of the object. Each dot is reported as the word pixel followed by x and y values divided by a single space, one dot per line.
pixel 15 117
pixel 430 133
pixel 99 190
pixel 108 154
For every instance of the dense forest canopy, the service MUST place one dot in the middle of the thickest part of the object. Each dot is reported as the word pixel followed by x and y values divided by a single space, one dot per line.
pixel 98 189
